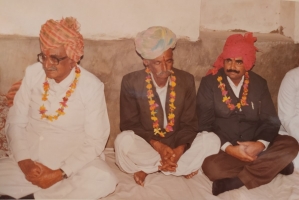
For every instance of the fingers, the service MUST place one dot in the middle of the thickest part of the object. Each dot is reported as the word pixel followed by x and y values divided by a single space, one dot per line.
pixel 167 166
pixel 248 158
pixel 139 182
pixel 168 153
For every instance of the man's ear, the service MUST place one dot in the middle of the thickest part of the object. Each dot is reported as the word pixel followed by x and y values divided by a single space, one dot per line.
pixel 145 62
pixel 72 63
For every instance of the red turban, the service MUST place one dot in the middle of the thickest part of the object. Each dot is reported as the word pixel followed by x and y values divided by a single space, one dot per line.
pixel 236 46
pixel 65 32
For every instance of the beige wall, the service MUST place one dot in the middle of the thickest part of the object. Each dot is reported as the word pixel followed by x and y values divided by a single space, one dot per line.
pixel 102 19
pixel 250 15
pixel 117 19
pixel 296 31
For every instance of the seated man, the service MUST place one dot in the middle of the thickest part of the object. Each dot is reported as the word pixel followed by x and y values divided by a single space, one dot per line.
pixel 58 125
pixel 288 105
pixel 235 103
pixel 157 114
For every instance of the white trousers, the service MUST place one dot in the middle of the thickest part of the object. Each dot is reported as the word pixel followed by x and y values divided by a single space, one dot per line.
pixel 133 153
pixel 94 181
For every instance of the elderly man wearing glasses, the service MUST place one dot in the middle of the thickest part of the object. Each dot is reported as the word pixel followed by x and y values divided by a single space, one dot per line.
pixel 58 125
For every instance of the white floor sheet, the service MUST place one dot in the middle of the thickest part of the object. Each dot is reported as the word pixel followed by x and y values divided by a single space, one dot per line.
pixel 159 186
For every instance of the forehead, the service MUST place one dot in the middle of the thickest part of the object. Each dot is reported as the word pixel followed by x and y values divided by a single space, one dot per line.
pixel 237 58
pixel 59 51
pixel 165 55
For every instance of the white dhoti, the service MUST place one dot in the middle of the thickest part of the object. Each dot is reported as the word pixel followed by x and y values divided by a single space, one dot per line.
pixel 133 154
pixel 94 181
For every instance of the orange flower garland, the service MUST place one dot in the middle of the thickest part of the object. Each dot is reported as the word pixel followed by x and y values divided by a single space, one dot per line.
pixel 153 105
pixel 228 100
pixel 59 111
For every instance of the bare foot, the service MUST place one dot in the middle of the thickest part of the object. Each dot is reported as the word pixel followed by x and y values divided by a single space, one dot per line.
pixel 140 177
pixel 191 175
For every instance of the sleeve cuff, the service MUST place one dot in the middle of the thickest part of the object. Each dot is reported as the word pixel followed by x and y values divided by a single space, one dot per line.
pixel 264 143
pixel 67 170
pixel 223 147
pixel 21 156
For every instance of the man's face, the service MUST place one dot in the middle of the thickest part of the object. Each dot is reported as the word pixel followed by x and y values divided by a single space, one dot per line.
pixel 60 71
pixel 234 69
pixel 161 66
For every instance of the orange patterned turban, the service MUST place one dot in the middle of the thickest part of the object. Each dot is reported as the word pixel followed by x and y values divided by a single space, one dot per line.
pixel 235 46
pixel 152 42
pixel 65 32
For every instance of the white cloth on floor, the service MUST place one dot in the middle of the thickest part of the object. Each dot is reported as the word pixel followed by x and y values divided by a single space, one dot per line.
pixel 133 153
pixel 93 181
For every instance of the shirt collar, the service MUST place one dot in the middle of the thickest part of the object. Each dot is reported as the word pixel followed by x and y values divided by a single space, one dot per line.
pixel 156 85
pixel 231 83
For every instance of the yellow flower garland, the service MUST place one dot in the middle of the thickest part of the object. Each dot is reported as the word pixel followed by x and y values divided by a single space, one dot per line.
pixel 153 105
pixel 59 111
pixel 228 100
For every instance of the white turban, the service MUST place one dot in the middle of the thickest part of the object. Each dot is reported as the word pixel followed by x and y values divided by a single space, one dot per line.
pixel 152 42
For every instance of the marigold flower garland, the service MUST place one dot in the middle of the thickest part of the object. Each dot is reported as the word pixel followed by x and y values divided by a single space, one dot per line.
pixel 228 100
pixel 59 111
pixel 153 105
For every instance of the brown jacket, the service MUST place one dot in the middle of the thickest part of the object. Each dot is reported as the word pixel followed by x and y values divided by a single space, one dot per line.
pixel 135 113
pixel 257 121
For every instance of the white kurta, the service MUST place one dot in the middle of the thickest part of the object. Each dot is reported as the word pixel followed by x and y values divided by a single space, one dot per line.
pixel 71 143
pixel 288 105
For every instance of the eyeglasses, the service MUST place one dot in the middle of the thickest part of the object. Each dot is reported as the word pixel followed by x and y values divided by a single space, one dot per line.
pixel 53 60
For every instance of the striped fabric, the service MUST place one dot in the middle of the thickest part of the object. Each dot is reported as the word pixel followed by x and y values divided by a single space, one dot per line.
pixel 65 32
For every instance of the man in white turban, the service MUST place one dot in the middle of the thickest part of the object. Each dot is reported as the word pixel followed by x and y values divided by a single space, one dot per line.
pixel 157 114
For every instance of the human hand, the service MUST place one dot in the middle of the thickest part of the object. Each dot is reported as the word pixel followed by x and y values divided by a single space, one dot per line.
pixel 239 152
pixel 171 164
pixel 47 178
pixel 29 168
pixel 166 153
pixel 252 148
pixel 178 152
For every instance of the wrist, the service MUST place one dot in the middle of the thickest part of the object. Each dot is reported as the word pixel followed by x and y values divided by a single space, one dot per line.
pixel 229 149
pixel 155 144
pixel 63 174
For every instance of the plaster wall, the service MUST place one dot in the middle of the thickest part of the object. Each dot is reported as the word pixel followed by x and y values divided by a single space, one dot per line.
pixel 296 31
pixel 249 15
pixel 117 19
pixel 287 18
pixel 101 19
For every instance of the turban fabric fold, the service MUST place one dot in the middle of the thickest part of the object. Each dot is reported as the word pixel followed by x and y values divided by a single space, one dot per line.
pixel 236 46
pixel 65 32
pixel 152 42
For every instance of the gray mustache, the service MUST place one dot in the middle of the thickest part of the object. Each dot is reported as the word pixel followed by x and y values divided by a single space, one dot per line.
pixel 168 72
pixel 50 69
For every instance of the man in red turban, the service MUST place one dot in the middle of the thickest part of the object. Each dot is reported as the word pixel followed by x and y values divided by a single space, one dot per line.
pixel 235 103
pixel 58 125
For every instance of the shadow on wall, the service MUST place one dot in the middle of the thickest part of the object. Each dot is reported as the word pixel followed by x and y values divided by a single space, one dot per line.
pixel 111 60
